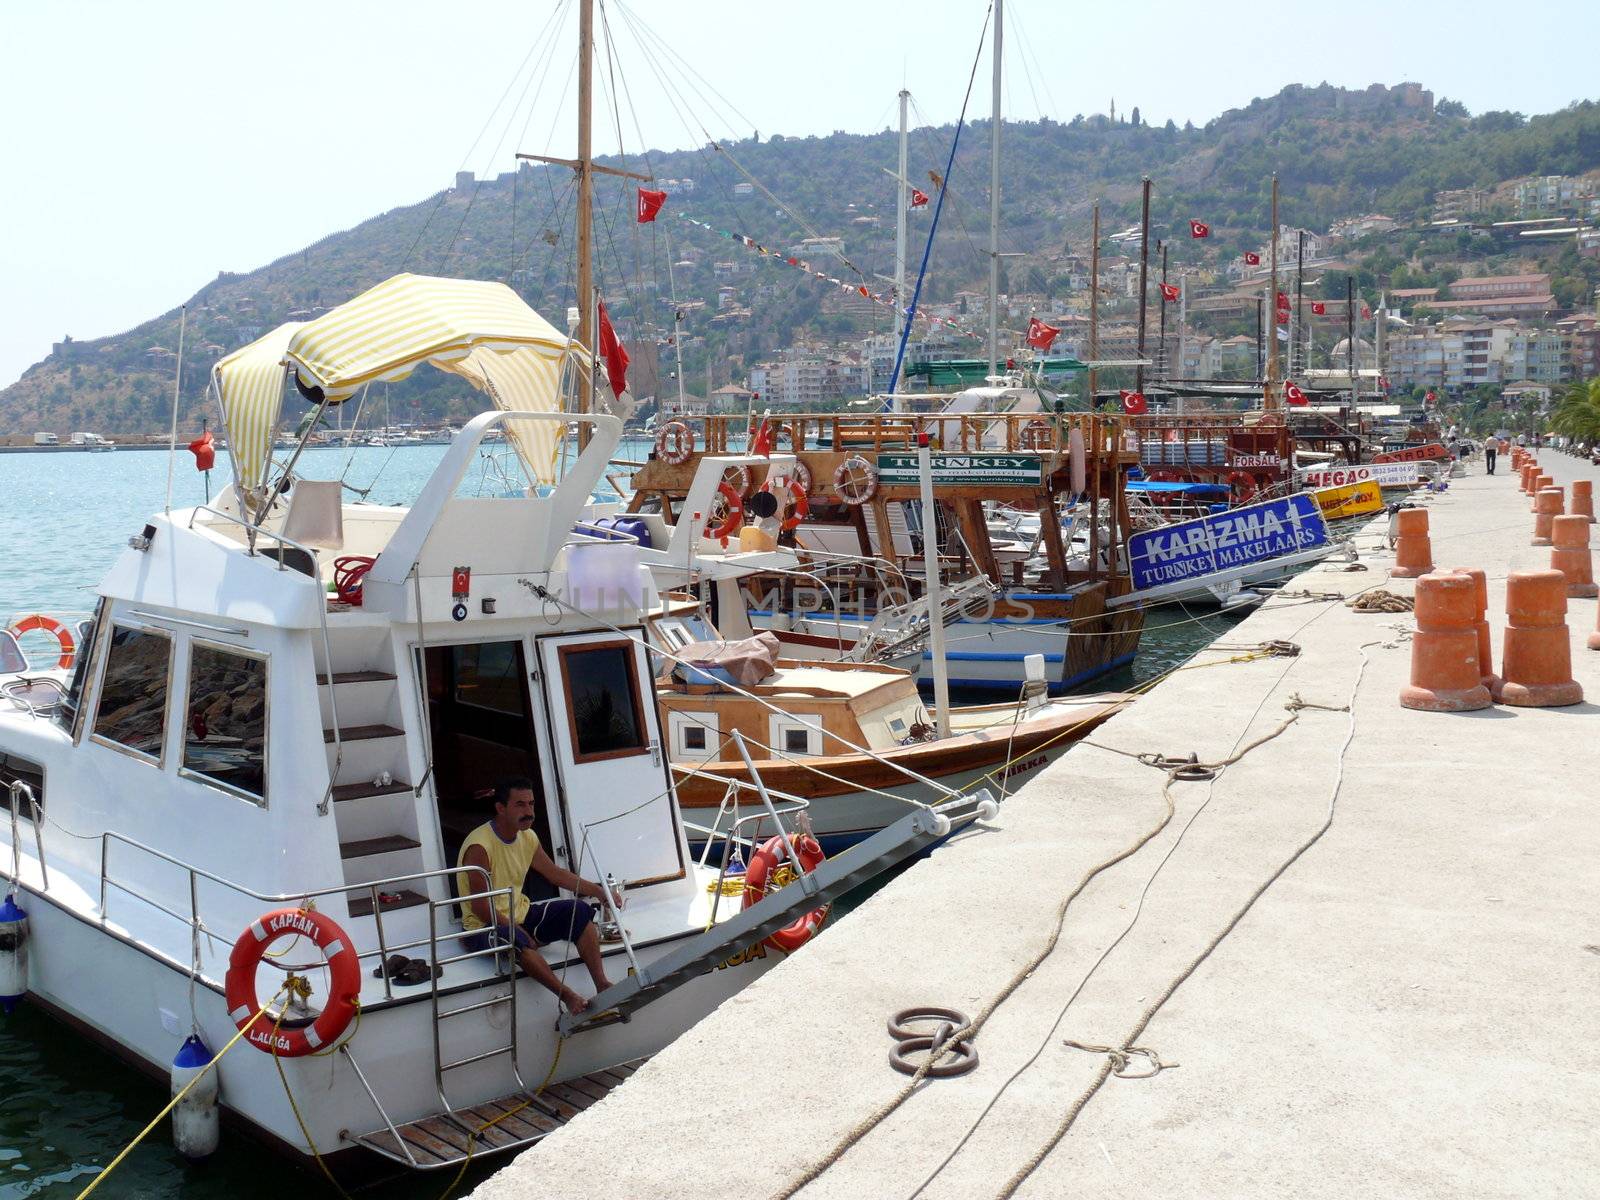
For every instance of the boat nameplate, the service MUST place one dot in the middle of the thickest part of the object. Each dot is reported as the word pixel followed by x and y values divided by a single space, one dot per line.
pixel 1212 544
pixel 964 470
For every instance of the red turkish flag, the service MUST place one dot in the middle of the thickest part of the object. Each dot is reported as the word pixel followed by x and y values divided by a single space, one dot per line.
pixel 761 441
pixel 205 452
pixel 918 197
pixel 1319 308
pixel 1169 291
pixel 1283 302
pixel 1366 313
pixel 616 356
pixel 1293 394
pixel 1040 335
pixel 1199 229
pixel 1133 403
pixel 650 204
pixel 1252 259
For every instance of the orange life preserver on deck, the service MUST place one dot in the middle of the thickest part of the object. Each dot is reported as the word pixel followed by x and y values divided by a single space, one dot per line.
pixel 735 515
pixel 762 864
pixel 1243 485
pixel 69 648
pixel 797 497
pixel 674 443
pixel 344 984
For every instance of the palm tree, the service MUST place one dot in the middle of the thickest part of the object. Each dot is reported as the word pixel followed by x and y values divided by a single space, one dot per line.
pixel 1578 414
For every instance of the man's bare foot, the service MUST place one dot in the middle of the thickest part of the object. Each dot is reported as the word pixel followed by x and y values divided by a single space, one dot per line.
pixel 574 1002
pixel 601 983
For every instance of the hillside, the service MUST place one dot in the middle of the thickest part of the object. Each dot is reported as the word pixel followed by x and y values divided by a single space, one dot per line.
pixel 1338 153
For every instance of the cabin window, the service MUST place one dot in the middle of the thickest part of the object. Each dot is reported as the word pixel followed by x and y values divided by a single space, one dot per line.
pixel 694 734
pixel 796 741
pixel 14 769
pixel 674 634
pixel 225 725
pixel 66 714
pixel 133 691
pixel 897 726
pixel 603 702
pixel 694 737
pixel 795 737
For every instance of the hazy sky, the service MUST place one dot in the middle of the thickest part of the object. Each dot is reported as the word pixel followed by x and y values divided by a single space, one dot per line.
pixel 149 145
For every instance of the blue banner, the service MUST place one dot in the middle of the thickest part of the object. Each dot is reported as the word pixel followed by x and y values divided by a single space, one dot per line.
pixel 1194 549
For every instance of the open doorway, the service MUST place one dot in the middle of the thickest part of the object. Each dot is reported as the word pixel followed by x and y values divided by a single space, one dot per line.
pixel 481 720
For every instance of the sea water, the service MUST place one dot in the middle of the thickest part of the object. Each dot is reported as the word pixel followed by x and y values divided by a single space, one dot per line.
pixel 67 1107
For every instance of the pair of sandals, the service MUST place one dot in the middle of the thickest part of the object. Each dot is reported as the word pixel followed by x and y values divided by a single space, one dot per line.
pixel 407 971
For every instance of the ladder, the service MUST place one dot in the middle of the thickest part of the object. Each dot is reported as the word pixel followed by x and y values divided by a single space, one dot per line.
pixel 831 879
pixel 505 973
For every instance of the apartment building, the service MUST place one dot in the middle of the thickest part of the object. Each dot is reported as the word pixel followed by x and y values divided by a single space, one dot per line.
pixel 1547 195
pixel 800 378
pixel 1458 204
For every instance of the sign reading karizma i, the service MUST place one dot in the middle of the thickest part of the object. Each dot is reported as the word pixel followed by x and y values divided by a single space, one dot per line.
pixel 899 470
pixel 1192 549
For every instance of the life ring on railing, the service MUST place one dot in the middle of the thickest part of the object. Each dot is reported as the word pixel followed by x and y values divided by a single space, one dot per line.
pixel 800 504
pixel 1038 434
pixel 1243 486
pixel 855 481
pixel 801 474
pixel 738 478
pixel 1162 476
pixel 348 572
pixel 763 864
pixel 69 648
pixel 729 523
pixel 674 443
pixel 344 981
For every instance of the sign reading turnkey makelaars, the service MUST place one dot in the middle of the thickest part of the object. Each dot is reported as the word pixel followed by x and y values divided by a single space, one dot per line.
pixel 1400 474
pixel 970 470
pixel 1208 545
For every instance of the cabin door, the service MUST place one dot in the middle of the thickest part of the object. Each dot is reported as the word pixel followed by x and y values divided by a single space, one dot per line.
pixel 620 815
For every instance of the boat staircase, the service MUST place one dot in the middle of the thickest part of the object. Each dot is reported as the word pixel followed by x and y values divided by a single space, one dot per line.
pixel 372 797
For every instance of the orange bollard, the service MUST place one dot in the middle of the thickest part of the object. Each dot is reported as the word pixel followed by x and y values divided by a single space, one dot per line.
pixel 1583 499
pixel 1413 555
pixel 1594 638
pixel 1445 672
pixel 1547 507
pixel 1540 482
pixel 1480 587
pixel 1536 659
pixel 1528 472
pixel 1571 556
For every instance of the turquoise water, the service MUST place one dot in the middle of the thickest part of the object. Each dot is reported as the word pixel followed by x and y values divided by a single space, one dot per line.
pixel 66 1107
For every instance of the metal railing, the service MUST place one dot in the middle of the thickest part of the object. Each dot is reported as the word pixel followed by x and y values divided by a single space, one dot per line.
pixel 322 623
pixel 880 431
pixel 20 788
pixel 196 925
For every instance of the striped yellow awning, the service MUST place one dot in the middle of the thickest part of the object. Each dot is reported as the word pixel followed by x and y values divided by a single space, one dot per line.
pixel 249 384
pixel 524 379
pixel 388 331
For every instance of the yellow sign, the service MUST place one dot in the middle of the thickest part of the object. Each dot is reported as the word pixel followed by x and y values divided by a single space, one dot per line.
pixel 1352 500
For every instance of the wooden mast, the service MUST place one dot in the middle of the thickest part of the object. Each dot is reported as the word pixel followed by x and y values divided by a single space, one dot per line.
pixel 1094 306
pixel 1270 399
pixel 586 298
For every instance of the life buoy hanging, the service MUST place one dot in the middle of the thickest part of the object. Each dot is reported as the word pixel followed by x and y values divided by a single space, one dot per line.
pixel 728 524
pixel 344 981
pixel 1038 434
pixel 674 443
pixel 69 648
pixel 799 504
pixel 738 478
pixel 1162 476
pixel 1243 486
pixel 801 474
pixel 855 481
pixel 762 865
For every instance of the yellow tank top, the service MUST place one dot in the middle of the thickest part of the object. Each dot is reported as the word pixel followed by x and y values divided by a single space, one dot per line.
pixel 508 866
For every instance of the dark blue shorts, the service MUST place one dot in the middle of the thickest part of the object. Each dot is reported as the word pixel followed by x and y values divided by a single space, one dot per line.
pixel 547 921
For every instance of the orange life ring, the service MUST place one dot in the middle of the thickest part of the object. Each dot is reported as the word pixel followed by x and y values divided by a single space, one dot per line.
pixel 344 985
pixel 1038 434
pixel 732 520
pixel 69 648
pixel 762 863
pixel 1243 485
pixel 855 480
pixel 801 474
pixel 799 502
pixel 1162 477
pixel 674 443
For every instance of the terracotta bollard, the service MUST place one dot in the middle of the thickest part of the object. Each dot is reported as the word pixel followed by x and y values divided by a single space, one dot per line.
pixel 1445 672
pixel 1413 555
pixel 1536 659
pixel 1529 470
pixel 1480 587
pixel 1547 507
pixel 1571 556
pixel 1540 482
pixel 1583 499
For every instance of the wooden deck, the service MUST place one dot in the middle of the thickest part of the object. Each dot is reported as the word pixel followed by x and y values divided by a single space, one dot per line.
pixel 512 1122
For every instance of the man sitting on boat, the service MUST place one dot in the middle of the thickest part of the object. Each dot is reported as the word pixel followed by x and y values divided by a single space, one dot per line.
pixel 507 848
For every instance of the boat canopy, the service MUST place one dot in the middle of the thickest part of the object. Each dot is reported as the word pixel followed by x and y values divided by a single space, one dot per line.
pixel 480 330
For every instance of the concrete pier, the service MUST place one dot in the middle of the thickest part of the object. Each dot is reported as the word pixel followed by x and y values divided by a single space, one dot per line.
pixel 1411 1010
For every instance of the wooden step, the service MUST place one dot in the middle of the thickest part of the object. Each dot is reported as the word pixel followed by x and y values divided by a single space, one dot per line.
pixel 364 733
pixel 360 903
pixel 508 1123
pixel 358 791
pixel 388 844
pixel 356 677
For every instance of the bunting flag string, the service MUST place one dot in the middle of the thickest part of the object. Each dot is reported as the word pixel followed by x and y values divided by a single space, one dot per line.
pixel 801 264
